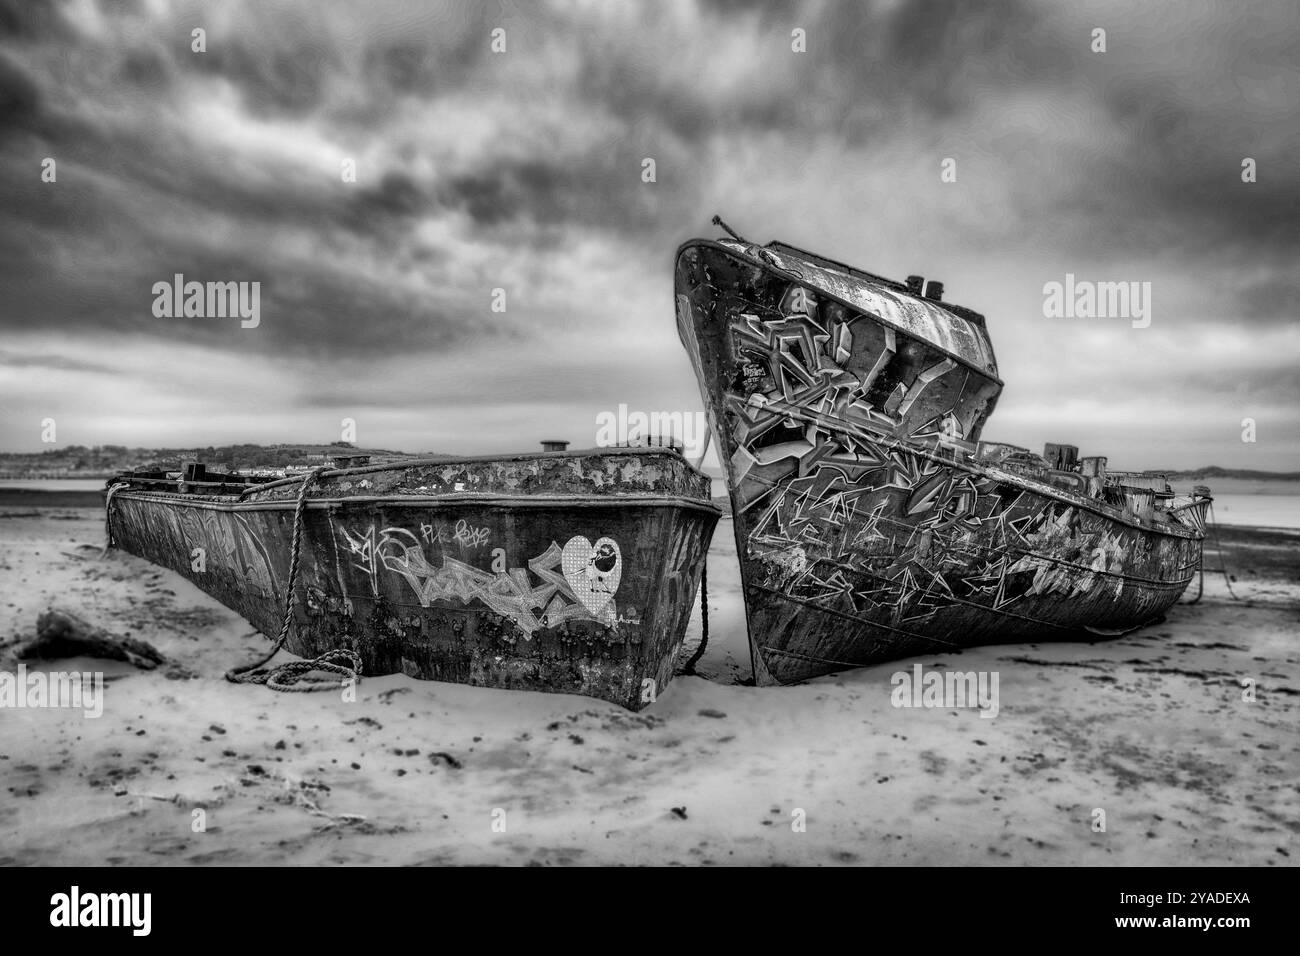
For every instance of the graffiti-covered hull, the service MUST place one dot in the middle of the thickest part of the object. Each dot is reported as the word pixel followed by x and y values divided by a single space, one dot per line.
pixel 571 573
pixel 848 414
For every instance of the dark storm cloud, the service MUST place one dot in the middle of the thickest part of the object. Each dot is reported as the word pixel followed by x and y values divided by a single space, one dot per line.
pixel 478 170
pixel 1177 176
pixel 27 20
pixel 939 57
pixel 397 195
pixel 307 308
pixel 1274 298
pixel 47 361
pixel 1181 118
pixel 875 67
pixel 141 184
pixel 592 192
pixel 19 98
pixel 1165 168
pixel 288 80
pixel 421 69
pixel 872 71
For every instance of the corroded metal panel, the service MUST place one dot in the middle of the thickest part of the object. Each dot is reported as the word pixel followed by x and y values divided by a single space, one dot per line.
pixel 915 316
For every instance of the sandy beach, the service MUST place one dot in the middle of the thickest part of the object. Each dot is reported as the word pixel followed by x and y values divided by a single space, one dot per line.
pixel 1152 728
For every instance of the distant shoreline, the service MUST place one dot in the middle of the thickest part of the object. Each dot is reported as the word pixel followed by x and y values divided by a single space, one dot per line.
pixel 40 498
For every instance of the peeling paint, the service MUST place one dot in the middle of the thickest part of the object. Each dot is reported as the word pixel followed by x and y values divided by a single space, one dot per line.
pixel 594 596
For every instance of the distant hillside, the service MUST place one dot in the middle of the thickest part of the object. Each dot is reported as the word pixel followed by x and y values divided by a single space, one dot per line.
pixel 101 461
pixel 1214 471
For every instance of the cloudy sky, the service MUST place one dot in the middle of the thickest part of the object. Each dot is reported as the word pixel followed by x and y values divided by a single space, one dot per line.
pixel 522 170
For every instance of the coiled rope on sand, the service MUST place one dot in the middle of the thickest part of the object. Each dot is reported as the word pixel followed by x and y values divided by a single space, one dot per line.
pixel 291 676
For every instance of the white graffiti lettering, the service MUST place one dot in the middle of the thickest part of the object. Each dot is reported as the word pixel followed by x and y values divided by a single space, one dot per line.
pixel 578 581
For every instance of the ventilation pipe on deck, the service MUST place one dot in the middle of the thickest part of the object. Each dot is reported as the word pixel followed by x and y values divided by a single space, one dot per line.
pixel 1142 502
pixel 1094 469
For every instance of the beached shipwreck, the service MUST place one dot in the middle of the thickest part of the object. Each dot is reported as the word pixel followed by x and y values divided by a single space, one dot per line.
pixel 564 571
pixel 870 521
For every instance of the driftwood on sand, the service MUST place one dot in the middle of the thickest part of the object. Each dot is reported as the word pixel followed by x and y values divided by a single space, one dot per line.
pixel 61 633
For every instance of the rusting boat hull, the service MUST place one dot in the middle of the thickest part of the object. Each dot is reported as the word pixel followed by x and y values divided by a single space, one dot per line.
pixel 952 559
pixel 847 417
pixel 564 573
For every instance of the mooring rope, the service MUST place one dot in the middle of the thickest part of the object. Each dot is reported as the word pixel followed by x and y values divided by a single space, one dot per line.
pixel 291 675
pixel 108 519
pixel 717 221
pixel 1223 568
pixel 704 617
pixel 1214 525
pixel 1200 579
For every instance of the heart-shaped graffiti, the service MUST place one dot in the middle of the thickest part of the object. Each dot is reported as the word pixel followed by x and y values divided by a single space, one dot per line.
pixel 593 572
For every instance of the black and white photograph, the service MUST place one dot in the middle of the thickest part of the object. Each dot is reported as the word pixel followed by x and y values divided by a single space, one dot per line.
pixel 697 433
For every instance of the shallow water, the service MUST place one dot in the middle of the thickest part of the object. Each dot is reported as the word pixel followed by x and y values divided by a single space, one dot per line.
pixel 52 484
pixel 1263 511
